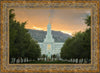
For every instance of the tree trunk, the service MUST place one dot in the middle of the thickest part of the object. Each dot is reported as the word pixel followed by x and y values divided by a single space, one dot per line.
pixel 15 60
pixel 20 59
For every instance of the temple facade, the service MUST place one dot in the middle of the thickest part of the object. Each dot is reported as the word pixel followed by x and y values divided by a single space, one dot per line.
pixel 49 47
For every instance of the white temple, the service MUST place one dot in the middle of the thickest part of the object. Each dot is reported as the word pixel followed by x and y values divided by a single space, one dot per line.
pixel 49 47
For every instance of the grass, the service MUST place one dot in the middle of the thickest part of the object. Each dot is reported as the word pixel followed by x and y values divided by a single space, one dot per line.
pixel 48 62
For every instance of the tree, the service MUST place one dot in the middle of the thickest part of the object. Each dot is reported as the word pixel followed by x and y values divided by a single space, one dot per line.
pixel 88 20
pixel 43 56
pixel 21 43
pixel 79 45
pixel 54 56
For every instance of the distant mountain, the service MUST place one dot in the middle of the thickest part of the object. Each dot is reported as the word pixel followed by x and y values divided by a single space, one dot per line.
pixel 40 35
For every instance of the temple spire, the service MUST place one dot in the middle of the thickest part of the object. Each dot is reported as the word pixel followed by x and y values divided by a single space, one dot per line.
pixel 49 37
pixel 49 19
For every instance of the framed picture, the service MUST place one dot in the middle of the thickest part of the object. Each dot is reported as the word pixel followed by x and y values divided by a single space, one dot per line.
pixel 49 36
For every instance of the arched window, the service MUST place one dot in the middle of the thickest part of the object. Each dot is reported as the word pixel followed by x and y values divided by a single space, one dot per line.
pixel 49 46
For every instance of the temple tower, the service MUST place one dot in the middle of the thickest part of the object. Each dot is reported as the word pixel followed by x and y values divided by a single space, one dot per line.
pixel 49 37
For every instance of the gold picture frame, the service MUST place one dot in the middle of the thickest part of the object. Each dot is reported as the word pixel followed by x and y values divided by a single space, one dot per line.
pixel 93 67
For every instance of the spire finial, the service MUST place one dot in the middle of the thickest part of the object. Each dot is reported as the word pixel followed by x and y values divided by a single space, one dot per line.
pixel 49 18
pixel 49 11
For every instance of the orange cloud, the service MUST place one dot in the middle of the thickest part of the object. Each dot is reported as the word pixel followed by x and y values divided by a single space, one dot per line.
pixel 66 32
pixel 65 20
pixel 37 28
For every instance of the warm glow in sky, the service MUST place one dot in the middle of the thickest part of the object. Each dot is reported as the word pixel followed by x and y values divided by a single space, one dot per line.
pixel 64 20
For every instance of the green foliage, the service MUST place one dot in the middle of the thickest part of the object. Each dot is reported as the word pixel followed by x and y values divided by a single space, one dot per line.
pixel 88 20
pixel 54 56
pixel 79 45
pixel 43 56
pixel 21 43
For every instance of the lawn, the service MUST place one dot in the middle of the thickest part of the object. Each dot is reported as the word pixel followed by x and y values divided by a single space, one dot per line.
pixel 48 62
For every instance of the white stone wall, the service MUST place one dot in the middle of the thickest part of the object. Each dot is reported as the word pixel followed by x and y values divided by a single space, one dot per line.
pixel 55 48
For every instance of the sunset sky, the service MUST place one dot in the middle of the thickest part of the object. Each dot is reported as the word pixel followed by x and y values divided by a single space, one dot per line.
pixel 65 20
